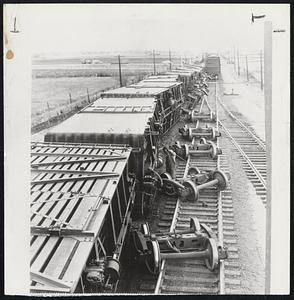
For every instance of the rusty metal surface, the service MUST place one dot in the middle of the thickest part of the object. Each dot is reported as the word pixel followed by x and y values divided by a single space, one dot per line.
pixel 67 216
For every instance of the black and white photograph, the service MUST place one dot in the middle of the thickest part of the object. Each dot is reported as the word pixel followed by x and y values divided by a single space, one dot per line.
pixel 147 149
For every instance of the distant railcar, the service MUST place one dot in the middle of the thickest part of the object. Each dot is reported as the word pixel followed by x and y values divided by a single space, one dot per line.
pixel 185 75
pixel 213 65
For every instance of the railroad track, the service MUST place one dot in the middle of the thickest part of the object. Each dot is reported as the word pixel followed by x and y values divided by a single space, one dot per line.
pixel 250 147
pixel 213 208
pixel 190 276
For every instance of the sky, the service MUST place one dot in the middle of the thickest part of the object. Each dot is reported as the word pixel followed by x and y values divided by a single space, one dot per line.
pixel 67 28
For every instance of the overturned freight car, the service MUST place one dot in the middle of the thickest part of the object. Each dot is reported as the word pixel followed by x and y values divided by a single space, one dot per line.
pixel 81 203
pixel 87 178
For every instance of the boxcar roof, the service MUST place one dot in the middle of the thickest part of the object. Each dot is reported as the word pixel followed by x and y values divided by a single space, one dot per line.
pixel 190 68
pixel 181 72
pixel 157 83
pixel 135 90
pixel 123 101
pixel 163 76
pixel 110 116
pixel 162 79
pixel 73 196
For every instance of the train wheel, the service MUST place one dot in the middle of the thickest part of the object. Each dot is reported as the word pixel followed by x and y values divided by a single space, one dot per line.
pixel 153 260
pixel 202 141
pixel 195 224
pixel 145 206
pixel 194 194
pixel 192 171
pixel 222 179
pixel 141 207
pixel 190 136
pixel 185 151
pixel 213 137
pixel 168 187
pixel 212 260
pixel 213 153
pixel 145 229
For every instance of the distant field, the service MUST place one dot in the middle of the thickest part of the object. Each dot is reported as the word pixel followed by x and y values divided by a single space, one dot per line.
pixel 56 91
pixel 54 79
pixel 105 66
pixel 88 70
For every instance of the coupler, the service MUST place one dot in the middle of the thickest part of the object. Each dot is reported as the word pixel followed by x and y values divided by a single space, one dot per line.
pixel 198 242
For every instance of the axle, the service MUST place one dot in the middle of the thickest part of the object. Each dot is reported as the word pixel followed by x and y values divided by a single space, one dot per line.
pixel 201 149
pixel 194 116
pixel 199 243
pixel 196 132
pixel 182 255
pixel 189 189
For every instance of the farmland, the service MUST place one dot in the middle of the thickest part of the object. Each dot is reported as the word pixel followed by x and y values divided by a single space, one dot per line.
pixel 55 91
pixel 61 85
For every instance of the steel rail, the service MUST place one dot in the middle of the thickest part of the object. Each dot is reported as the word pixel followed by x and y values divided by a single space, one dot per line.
pixel 256 138
pixel 245 156
pixel 220 211
pixel 162 268
pixel 221 284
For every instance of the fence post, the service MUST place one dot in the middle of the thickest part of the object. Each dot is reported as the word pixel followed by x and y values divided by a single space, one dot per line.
pixel 49 115
pixel 88 95
pixel 154 68
pixel 247 68
pixel 238 62
pixel 261 71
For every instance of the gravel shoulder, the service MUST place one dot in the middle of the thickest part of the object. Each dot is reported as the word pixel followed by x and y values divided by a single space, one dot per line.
pixel 250 224
pixel 250 213
pixel 249 101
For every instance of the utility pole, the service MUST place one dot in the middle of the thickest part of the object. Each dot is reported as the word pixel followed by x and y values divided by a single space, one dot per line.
pixel 170 62
pixel 234 59
pixel 154 68
pixel 238 62
pixel 247 68
pixel 119 68
pixel 261 71
pixel 70 101
pixel 268 138
pixel 49 115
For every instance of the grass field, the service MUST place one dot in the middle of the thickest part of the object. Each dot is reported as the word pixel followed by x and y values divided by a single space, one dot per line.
pixel 55 92
pixel 54 79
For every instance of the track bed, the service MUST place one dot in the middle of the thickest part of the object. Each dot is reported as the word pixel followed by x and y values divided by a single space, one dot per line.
pixel 213 208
